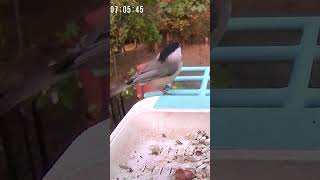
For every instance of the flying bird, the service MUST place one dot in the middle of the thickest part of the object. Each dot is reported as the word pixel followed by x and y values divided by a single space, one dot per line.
pixel 159 72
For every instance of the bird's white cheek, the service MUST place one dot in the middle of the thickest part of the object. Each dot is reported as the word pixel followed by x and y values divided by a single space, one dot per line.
pixel 175 56
pixel 179 51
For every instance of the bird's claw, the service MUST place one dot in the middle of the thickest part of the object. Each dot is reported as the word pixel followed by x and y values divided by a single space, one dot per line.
pixel 166 92
pixel 166 89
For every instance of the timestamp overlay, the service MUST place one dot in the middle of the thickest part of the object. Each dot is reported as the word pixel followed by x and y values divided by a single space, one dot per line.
pixel 126 9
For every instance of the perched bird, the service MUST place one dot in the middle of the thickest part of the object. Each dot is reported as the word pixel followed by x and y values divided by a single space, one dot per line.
pixel 90 52
pixel 158 72
pixel 221 13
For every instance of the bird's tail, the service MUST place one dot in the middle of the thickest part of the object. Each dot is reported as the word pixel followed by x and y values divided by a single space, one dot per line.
pixel 119 89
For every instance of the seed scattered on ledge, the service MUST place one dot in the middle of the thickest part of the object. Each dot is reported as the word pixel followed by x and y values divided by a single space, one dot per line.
pixel 124 166
pixel 190 153
pixel 155 149
pixel 198 153
pixel 179 142
pixel 130 170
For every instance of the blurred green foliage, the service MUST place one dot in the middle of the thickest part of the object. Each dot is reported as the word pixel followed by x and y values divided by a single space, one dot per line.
pixel 67 91
pixel 182 19
pixel 129 92
pixel 133 26
pixel 185 18
pixel 132 71
pixel 71 31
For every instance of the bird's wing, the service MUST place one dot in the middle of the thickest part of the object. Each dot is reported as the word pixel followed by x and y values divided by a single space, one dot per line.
pixel 96 52
pixel 145 76
pixel 101 31
pixel 150 65
pixel 155 70
pixel 91 51
pixel 94 46
pixel 148 76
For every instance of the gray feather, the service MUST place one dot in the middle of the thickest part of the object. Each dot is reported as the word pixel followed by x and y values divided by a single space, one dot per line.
pixel 118 89
pixel 154 70
pixel 96 54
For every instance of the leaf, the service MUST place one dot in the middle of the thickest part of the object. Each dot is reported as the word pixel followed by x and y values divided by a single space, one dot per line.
pixel 129 92
pixel 132 71
pixel 71 30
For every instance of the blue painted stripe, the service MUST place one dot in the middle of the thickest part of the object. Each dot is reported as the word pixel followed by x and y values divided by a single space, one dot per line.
pixel 194 68
pixel 204 83
pixel 203 79
pixel 183 102
pixel 189 78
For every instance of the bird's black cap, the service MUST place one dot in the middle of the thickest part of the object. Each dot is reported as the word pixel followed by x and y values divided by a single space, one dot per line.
pixel 170 48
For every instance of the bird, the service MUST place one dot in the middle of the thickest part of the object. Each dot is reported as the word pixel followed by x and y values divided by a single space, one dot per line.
pixel 221 14
pixel 159 72
pixel 90 52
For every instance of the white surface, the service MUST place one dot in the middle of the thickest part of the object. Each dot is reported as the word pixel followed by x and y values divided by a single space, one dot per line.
pixel 86 158
pixel 143 123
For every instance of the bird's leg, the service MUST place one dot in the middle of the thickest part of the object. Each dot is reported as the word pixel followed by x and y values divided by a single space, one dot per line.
pixel 165 92
pixel 166 89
